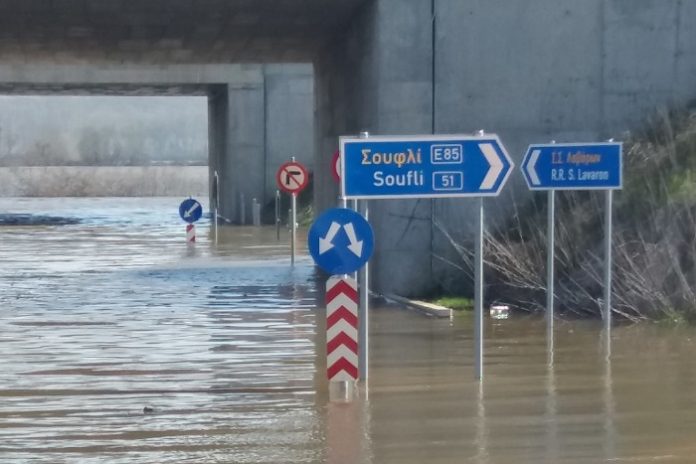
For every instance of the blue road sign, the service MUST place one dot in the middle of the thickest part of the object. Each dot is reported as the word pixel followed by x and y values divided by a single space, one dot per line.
pixel 573 166
pixel 340 241
pixel 428 166
pixel 190 210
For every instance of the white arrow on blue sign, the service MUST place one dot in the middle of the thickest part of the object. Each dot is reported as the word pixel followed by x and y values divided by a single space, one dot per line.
pixel 428 166
pixel 340 241
pixel 190 210
pixel 574 166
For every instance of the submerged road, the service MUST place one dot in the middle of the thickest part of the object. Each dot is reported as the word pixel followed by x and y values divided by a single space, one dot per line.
pixel 121 344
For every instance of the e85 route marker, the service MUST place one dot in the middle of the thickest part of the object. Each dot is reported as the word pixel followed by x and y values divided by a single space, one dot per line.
pixel 292 177
pixel 423 166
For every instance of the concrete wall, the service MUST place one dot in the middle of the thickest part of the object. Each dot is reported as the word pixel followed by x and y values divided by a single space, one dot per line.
pixel 563 70
pixel 367 84
pixel 289 119
pixel 533 71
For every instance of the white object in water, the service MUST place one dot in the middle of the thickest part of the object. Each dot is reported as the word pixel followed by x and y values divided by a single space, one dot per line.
pixel 499 311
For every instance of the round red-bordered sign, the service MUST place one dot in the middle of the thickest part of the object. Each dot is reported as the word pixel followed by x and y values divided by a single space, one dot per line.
pixel 336 166
pixel 292 177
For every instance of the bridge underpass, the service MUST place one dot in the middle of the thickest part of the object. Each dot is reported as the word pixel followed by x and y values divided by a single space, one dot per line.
pixel 386 66
pixel 248 134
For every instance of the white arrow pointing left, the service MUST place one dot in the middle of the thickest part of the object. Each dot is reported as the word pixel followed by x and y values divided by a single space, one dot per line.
pixel 531 167
pixel 355 244
pixel 325 242
pixel 187 214
pixel 496 165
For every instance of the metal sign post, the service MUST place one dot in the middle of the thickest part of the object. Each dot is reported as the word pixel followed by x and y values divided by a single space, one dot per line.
pixel 429 166
pixel 293 228
pixel 216 193
pixel 607 265
pixel 292 177
pixel 364 284
pixel 550 247
pixel 478 293
pixel 277 214
pixel 575 166
pixel 364 308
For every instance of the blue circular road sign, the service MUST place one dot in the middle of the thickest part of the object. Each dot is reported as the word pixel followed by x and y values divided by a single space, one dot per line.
pixel 190 210
pixel 340 241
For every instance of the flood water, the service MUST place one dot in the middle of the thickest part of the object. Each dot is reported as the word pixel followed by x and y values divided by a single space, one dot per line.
pixel 121 344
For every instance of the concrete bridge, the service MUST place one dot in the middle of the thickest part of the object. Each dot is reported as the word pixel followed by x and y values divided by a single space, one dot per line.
pixel 569 70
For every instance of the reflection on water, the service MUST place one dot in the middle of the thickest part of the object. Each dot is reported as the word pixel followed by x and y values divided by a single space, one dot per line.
pixel 119 343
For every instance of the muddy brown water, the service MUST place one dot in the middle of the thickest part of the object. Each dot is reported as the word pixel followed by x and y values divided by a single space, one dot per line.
pixel 120 344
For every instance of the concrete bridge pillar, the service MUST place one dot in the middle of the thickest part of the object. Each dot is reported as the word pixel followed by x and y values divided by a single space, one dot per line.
pixel 365 83
pixel 255 125
pixel 237 146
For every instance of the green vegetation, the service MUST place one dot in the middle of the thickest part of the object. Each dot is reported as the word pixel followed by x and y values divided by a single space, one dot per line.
pixel 654 239
pixel 457 303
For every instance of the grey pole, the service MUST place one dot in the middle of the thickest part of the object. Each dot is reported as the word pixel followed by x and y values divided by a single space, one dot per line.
pixel 293 224
pixel 363 310
pixel 607 265
pixel 242 209
pixel 216 192
pixel 293 229
pixel 550 242
pixel 478 293
pixel 277 214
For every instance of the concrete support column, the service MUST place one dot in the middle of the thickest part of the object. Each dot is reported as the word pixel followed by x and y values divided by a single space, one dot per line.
pixel 365 83
pixel 217 147
pixel 244 166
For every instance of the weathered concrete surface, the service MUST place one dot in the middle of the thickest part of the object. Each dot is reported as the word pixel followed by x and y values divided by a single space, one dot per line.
pixel 533 71
pixel 169 31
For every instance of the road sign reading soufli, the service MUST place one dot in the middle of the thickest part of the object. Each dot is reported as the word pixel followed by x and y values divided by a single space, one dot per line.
pixel 573 166
pixel 423 166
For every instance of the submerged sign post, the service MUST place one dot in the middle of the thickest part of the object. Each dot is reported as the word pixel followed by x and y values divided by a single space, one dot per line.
pixel 429 166
pixel 190 211
pixel 292 177
pixel 341 242
pixel 575 166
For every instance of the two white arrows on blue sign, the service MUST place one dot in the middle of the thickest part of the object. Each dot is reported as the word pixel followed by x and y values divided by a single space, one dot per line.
pixel 326 243
pixel 340 252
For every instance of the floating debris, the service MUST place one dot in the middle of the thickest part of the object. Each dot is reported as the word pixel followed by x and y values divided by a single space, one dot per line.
pixel 9 219
pixel 499 311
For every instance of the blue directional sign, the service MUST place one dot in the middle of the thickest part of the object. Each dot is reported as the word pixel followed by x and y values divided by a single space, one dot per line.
pixel 190 210
pixel 573 166
pixel 423 166
pixel 340 241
